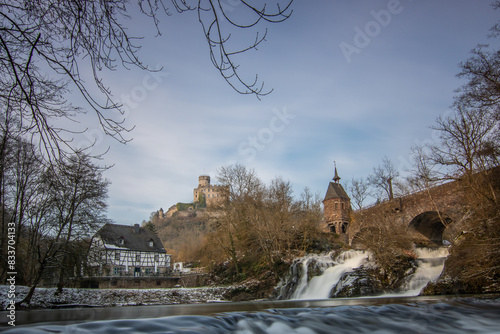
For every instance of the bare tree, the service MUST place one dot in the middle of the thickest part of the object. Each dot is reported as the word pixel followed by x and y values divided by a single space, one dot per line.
pixel 46 46
pixel 80 193
pixel 273 231
pixel 71 206
pixel 384 176
pixel 244 192
pixel 423 173
pixel 359 190
pixel 482 91
pixel 306 220
pixel 240 182
pixel 20 176
pixel 222 52
pixel 476 125
pixel 467 147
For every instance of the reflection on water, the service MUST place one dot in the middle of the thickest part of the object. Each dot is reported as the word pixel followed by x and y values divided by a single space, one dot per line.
pixel 388 315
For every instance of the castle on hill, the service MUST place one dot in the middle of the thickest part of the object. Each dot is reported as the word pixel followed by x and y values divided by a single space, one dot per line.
pixel 205 195
pixel 210 194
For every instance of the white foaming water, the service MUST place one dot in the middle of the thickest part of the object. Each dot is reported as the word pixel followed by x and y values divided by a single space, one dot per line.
pixel 430 266
pixel 427 253
pixel 319 287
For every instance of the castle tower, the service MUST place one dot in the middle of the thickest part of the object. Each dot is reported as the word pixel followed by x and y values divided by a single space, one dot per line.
pixel 207 193
pixel 204 181
pixel 337 208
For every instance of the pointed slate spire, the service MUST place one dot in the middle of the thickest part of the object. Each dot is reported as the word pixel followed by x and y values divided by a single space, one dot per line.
pixel 336 178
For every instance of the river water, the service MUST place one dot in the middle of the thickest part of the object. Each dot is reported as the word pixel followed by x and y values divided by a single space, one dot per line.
pixel 352 315
pixel 309 312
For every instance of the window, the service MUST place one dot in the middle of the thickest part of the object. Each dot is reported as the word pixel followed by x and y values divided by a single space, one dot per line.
pixel 336 206
pixel 121 241
pixel 157 257
pixel 150 243
pixel 138 257
pixel 118 271
pixel 342 206
pixel 117 256
pixel 344 227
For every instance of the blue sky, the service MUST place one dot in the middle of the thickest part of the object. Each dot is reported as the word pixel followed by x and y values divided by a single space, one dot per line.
pixel 354 108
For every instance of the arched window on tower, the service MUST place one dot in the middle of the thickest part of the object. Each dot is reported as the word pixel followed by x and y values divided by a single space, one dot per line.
pixel 344 227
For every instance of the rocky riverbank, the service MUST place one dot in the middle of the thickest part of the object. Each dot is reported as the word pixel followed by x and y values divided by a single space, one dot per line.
pixel 49 298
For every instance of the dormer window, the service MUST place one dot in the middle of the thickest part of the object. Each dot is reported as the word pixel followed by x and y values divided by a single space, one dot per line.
pixel 121 241
pixel 150 243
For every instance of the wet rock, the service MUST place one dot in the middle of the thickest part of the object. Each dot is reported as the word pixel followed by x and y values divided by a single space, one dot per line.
pixel 357 283
pixel 453 286
pixel 250 289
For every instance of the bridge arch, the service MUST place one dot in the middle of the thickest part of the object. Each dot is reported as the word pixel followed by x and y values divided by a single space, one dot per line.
pixel 431 224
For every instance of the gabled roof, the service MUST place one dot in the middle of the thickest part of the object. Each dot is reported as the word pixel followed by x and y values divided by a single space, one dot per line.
pixel 111 233
pixel 335 190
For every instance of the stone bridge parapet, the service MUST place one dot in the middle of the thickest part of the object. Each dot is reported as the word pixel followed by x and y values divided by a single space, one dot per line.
pixel 428 213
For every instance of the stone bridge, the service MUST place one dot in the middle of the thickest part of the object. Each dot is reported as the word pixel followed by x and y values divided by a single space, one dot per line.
pixel 427 214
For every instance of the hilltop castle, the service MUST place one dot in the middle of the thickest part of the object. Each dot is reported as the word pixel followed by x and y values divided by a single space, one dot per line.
pixel 211 194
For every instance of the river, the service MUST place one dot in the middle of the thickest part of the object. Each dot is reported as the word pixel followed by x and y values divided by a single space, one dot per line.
pixel 308 309
pixel 436 314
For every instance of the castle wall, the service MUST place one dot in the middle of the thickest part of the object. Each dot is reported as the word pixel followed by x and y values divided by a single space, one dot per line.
pixel 213 194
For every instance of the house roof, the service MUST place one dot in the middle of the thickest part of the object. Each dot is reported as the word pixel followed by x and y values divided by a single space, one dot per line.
pixel 335 190
pixel 111 233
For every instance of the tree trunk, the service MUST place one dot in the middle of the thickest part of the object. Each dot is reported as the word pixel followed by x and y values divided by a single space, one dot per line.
pixel 233 254
pixel 29 295
pixel 391 194
pixel 60 283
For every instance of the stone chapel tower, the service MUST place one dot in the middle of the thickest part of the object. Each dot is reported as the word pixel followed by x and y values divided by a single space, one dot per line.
pixel 337 208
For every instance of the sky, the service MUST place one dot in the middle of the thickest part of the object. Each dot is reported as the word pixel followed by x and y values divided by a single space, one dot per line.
pixel 353 81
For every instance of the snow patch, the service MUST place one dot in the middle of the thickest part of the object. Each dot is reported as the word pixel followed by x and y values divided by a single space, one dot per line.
pixel 49 298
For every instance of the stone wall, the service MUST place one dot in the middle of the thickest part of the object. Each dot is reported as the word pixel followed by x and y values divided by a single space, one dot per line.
pixel 337 210
pixel 442 201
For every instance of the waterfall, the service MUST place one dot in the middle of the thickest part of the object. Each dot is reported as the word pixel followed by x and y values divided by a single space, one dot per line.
pixel 430 263
pixel 323 276
pixel 314 276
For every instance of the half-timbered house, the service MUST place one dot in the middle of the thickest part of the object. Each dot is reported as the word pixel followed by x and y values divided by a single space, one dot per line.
pixel 124 250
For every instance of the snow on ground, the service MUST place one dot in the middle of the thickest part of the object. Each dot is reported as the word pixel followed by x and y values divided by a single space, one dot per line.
pixel 48 298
